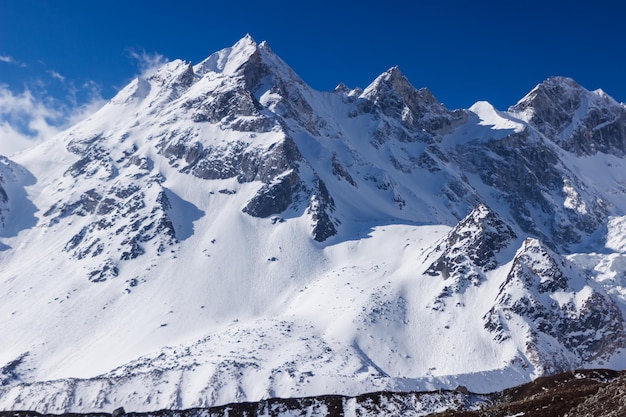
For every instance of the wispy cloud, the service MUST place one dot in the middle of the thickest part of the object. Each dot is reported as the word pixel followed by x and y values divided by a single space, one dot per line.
pixel 10 60
pixel 81 109
pixel 56 75
pixel 28 118
pixel 24 120
pixel 147 62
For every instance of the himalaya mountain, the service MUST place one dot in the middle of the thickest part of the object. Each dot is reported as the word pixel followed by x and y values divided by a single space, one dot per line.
pixel 221 232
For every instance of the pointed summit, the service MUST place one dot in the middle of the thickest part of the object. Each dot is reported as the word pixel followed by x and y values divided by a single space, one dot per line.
pixel 253 61
pixel 392 80
pixel 229 60
pixel 477 239
pixel 559 93
pixel 396 97
pixel 393 85
pixel 577 119
pixel 240 53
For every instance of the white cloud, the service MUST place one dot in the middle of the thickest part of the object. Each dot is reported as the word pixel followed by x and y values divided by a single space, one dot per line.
pixel 27 119
pixel 56 75
pixel 147 62
pixel 10 60
pixel 84 110
pixel 24 121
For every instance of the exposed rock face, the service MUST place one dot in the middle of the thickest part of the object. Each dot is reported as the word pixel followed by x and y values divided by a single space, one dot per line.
pixel 274 197
pixel 551 106
pixel 579 121
pixel 559 307
pixel 475 239
pixel 609 401
pixel 4 206
pixel 393 95
pixel 468 251
pixel 531 178
pixel 320 208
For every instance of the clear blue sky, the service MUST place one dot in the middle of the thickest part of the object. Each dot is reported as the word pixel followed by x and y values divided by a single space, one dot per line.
pixel 463 51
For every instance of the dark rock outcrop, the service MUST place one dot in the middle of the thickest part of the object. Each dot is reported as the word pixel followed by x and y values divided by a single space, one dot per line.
pixel 557 304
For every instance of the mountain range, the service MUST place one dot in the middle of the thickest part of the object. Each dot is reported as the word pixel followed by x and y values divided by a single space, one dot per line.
pixel 221 232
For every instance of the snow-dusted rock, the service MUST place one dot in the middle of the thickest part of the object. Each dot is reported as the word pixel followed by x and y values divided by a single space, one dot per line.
pixel 566 321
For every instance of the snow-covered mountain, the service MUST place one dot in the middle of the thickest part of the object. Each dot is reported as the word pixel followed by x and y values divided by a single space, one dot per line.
pixel 222 232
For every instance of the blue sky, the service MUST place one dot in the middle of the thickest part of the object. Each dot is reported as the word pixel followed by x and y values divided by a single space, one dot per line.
pixel 68 56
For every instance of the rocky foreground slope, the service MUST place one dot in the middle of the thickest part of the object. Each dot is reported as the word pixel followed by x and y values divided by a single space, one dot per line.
pixel 582 393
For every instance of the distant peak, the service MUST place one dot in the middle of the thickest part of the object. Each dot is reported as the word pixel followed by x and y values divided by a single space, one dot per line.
pixel 560 80
pixel 560 90
pixel 342 88
pixel 394 81
pixel 394 75
pixel 247 40
pixel 229 60
pixel 394 72
pixel 391 80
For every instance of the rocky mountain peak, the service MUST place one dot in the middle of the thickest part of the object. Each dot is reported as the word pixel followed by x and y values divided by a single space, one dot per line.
pixel 394 83
pixel 551 105
pixel 229 60
pixel 393 94
pixel 469 250
pixel 478 237
pixel 578 120
pixel 249 59
pixel 553 88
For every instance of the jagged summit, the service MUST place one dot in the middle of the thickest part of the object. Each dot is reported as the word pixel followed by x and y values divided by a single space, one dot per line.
pixel 230 59
pixel 577 119
pixel 249 59
pixel 560 94
pixel 398 98
pixel 394 83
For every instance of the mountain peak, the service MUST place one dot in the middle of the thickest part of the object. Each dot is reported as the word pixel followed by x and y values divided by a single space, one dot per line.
pixel 230 60
pixel 248 38
pixel 246 49
pixel 394 73
pixel 560 80
pixel 392 92
pixel 563 89
pixel 563 93
pixel 390 81
pixel 247 43
pixel 479 236
pixel 577 119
